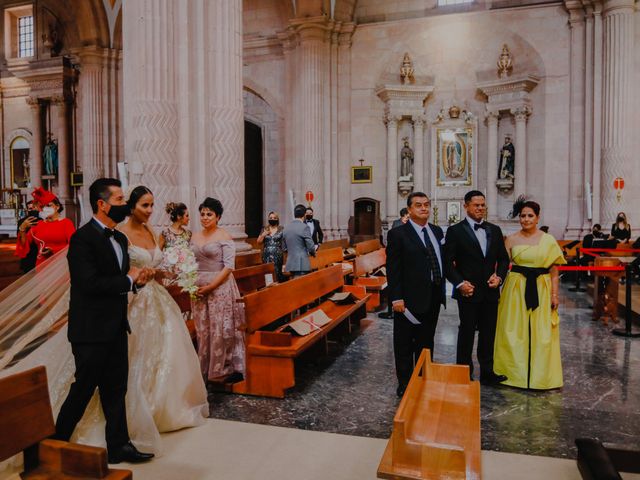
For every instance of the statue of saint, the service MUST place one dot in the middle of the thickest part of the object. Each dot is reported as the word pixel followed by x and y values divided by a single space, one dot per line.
pixel 50 155
pixel 507 159
pixel 406 159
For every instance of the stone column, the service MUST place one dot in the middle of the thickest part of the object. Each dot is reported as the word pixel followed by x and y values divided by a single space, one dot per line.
pixel 520 168
pixel 576 120
pixel 617 129
pixel 313 141
pixel 392 167
pixel 418 154
pixel 35 160
pixel 588 115
pixel 492 164
pixel 150 105
pixel 59 109
pixel 597 108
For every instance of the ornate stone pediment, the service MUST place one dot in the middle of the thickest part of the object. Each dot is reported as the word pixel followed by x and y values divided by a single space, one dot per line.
pixel 507 93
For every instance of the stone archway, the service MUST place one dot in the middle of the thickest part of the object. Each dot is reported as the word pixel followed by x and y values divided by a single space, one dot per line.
pixel 8 142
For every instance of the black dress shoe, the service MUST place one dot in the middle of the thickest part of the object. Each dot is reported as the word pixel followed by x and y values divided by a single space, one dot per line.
pixel 492 379
pixel 128 453
pixel 400 390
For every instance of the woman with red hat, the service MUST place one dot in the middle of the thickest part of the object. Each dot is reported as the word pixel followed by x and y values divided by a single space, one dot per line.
pixel 50 235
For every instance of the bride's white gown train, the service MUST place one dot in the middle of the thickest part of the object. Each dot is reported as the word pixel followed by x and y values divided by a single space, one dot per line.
pixel 165 391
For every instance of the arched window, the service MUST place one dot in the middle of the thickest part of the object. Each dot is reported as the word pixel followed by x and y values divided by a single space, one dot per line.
pixel 19 152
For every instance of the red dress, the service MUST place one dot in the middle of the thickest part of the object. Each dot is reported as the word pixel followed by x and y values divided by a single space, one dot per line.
pixel 54 235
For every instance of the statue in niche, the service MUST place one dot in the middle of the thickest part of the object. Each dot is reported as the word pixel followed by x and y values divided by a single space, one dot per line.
pixel 50 155
pixel 406 160
pixel 507 159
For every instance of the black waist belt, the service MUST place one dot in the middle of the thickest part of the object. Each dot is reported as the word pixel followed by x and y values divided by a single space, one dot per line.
pixel 531 289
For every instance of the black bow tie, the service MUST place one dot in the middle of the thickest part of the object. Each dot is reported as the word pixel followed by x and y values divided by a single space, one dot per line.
pixel 109 232
pixel 309 221
pixel 476 226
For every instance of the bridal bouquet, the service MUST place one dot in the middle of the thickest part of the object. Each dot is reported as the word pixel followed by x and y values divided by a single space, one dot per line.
pixel 180 261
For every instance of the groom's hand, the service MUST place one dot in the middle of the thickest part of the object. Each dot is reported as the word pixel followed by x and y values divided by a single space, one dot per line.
pixel 494 281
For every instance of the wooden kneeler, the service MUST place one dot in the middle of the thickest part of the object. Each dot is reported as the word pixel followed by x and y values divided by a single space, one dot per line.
pixel 436 430
pixel 26 421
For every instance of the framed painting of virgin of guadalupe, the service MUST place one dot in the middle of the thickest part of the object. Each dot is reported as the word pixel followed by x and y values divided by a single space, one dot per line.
pixel 455 156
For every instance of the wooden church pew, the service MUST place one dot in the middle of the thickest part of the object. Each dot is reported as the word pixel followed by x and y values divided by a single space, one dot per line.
pixel 364 266
pixel 436 429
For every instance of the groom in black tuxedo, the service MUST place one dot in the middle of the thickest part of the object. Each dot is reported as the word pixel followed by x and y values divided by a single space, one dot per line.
pixel 101 278
pixel 416 285
pixel 476 263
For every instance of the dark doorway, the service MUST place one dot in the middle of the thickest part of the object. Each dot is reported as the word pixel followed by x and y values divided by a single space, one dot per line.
pixel 253 220
pixel 366 220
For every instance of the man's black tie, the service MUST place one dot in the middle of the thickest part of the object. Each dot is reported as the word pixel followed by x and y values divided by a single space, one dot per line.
pixel 433 259
pixel 108 232
pixel 476 226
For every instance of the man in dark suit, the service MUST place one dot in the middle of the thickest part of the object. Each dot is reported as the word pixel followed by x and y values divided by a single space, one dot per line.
pixel 416 285
pixel 296 240
pixel 314 227
pixel 476 262
pixel 404 218
pixel 101 278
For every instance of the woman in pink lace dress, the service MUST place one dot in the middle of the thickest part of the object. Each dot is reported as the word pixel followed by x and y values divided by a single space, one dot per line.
pixel 219 319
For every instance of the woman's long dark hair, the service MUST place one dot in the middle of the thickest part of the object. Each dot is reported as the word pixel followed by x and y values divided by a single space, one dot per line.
pixel 136 194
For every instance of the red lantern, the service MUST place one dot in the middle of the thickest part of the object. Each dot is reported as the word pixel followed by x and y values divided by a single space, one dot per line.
pixel 309 196
pixel 618 183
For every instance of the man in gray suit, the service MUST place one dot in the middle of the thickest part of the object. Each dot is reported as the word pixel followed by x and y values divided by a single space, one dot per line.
pixel 298 244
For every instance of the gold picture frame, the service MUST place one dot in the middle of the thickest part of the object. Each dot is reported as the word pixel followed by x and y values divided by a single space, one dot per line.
pixel 361 174
pixel 455 156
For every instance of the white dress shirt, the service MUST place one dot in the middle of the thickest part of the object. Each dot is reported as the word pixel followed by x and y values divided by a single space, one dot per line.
pixel 480 233
pixel 116 248
pixel 432 238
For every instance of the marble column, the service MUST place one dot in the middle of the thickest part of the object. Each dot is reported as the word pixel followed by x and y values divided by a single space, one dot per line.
pixel 492 164
pixel 588 116
pixel 597 108
pixel 576 120
pixel 35 156
pixel 59 110
pixel 617 129
pixel 150 105
pixel 313 141
pixel 418 153
pixel 392 168
pixel 521 114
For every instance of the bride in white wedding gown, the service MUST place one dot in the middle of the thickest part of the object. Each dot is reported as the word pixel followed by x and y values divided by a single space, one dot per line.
pixel 165 391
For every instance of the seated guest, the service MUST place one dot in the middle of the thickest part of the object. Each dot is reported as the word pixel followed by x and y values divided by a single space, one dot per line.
pixel 49 236
pixel 177 232
pixel 587 242
pixel 271 236
pixel 219 319
pixel 544 228
pixel 404 218
pixel 314 227
pixel 621 230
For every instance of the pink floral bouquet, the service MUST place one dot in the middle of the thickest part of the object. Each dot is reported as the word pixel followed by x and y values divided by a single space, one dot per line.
pixel 180 261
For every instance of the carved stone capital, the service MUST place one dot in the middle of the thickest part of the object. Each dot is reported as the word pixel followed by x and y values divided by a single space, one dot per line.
pixel 491 117
pixel 576 12
pixel 419 121
pixel 391 120
pixel 521 113
pixel 33 102
pixel 58 100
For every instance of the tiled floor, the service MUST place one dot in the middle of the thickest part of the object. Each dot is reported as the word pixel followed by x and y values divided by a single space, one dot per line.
pixel 352 391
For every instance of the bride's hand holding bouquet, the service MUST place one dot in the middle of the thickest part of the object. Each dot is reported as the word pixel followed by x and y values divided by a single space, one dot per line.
pixel 180 262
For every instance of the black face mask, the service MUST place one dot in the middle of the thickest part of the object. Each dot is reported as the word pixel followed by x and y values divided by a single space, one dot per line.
pixel 309 218
pixel 272 222
pixel 621 219
pixel 118 213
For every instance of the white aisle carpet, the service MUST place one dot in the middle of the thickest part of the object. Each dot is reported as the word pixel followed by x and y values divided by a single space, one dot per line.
pixel 224 450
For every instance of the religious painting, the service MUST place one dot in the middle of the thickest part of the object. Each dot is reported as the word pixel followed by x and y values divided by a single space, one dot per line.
pixel 453 212
pixel 361 174
pixel 454 147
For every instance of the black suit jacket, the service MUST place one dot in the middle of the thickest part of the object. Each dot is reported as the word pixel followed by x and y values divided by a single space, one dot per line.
pixel 408 268
pixel 463 260
pixel 317 236
pixel 99 286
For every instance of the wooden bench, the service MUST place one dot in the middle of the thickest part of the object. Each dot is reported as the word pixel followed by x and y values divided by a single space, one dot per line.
pixel 342 243
pixel 251 279
pixel 26 422
pixel 367 246
pixel 248 259
pixel 328 257
pixel 271 354
pixel 364 266
pixel 436 429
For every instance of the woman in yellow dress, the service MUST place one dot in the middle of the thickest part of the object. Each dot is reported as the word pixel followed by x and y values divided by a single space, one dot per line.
pixel 527 345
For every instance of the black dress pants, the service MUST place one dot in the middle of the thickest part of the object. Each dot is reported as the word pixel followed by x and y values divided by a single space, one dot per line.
pixel 104 366
pixel 409 339
pixel 482 315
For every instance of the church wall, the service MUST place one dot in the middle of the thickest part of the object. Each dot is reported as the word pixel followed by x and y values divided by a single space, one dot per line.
pixel 452 50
